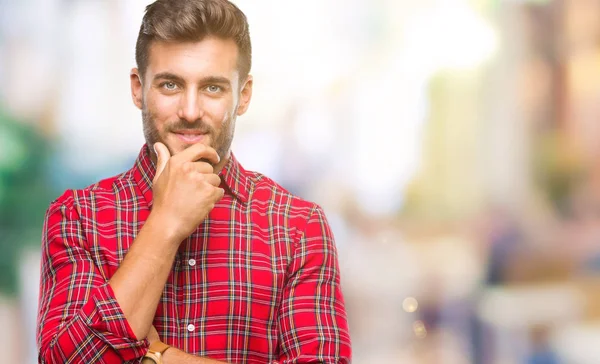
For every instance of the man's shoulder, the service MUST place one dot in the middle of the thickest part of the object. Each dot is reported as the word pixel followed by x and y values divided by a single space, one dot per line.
pixel 271 194
pixel 104 191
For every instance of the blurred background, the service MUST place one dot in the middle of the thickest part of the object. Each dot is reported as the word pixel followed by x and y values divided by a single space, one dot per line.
pixel 454 145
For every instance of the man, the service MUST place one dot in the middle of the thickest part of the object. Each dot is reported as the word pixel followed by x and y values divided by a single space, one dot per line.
pixel 187 257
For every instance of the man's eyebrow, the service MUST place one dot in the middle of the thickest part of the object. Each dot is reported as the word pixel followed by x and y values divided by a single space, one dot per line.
pixel 169 76
pixel 210 79
pixel 216 79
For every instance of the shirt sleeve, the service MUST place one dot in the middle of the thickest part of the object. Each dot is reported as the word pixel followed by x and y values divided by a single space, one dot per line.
pixel 312 317
pixel 79 319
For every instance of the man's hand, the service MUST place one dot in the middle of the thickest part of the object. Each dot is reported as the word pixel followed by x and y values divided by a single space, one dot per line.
pixel 185 188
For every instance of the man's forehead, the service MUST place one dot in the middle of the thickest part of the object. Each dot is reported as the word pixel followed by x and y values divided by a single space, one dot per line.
pixel 209 50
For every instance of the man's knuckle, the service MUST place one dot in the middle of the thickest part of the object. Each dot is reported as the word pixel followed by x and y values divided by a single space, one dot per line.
pixel 188 167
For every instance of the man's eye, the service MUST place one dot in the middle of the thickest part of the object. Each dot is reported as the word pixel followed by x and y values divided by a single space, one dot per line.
pixel 169 85
pixel 213 88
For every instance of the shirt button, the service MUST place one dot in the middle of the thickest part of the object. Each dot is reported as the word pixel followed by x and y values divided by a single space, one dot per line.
pixel 191 327
pixel 192 262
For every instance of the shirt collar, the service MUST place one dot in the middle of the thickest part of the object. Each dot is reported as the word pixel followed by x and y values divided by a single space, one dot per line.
pixel 234 178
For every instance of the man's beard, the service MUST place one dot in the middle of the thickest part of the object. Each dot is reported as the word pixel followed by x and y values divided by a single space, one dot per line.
pixel 220 142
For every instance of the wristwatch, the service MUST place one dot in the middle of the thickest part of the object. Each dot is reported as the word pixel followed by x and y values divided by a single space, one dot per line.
pixel 156 351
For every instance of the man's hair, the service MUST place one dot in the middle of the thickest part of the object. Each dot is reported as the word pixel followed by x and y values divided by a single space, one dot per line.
pixel 192 21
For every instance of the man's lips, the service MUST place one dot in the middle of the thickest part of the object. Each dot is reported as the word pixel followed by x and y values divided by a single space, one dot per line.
pixel 190 136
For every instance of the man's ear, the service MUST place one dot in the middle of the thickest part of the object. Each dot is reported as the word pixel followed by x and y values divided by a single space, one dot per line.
pixel 137 90
pixel 245 96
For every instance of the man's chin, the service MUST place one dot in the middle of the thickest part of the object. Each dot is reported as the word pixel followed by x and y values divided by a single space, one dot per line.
pixel 175 146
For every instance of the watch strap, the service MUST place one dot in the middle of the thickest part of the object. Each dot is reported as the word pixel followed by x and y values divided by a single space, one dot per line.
pixel 156 351
pixel 158 347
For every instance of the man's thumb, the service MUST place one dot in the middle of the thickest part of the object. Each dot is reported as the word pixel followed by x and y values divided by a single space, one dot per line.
pixel 162 157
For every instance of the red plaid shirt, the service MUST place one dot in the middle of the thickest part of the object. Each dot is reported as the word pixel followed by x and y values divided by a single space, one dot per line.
pixel 257 282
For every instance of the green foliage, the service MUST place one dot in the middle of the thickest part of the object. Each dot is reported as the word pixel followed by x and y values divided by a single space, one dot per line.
pixel 24 194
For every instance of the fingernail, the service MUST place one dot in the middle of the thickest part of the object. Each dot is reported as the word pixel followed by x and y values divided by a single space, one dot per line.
pixel 154 147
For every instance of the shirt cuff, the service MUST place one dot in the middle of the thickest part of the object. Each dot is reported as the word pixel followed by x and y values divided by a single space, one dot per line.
pixel 105 317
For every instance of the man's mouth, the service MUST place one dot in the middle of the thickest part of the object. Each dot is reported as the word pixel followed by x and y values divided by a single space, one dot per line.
pixel 190 136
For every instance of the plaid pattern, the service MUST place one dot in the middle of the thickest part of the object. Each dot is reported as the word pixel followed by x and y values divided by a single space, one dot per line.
pixel 257 282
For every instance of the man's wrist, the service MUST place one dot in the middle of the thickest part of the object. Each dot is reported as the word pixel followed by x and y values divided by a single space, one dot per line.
pixel 156 353
pixel 161 227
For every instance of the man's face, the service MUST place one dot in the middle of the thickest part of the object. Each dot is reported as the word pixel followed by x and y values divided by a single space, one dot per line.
pixel 191 94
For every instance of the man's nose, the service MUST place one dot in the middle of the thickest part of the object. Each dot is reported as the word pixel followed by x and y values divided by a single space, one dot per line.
pixel 190 108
